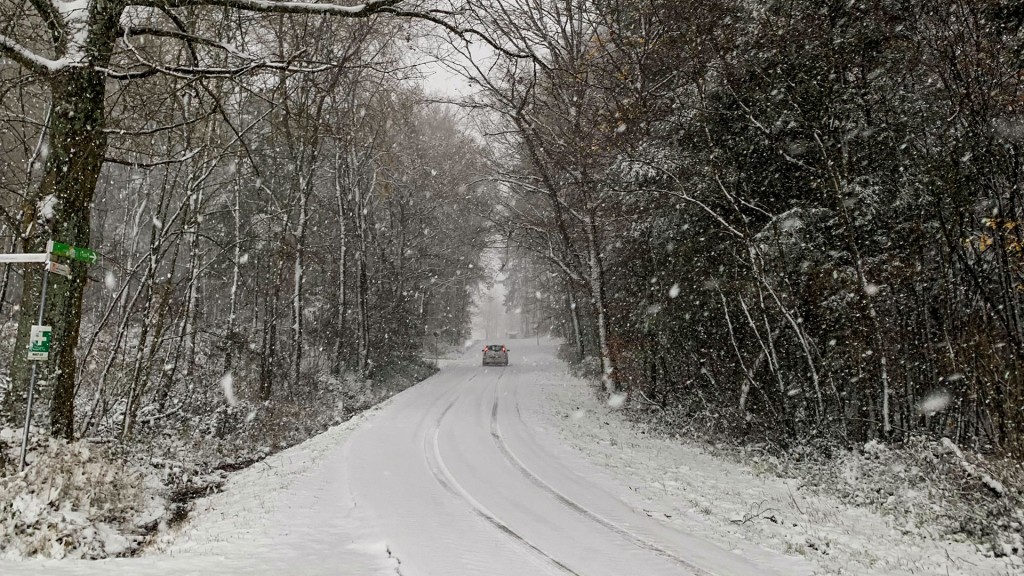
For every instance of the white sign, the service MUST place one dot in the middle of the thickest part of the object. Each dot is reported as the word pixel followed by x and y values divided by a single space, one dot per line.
pixel 39 342
pixel 58 268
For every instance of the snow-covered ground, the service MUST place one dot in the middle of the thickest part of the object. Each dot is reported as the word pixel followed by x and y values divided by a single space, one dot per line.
pixel 730 503
pixel 466 474
pixel 288 514
pixel 519 471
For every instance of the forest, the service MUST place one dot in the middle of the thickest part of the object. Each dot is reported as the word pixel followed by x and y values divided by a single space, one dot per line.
pixel 275 204
pixel 786 222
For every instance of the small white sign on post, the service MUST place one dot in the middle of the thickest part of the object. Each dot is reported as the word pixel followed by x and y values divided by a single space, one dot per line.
pixel 39 342
pixel 58 268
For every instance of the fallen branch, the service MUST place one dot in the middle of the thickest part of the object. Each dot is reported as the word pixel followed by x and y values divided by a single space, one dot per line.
pixel 761 512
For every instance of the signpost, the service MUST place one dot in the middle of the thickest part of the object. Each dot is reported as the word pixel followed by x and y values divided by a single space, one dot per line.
pixel 41 337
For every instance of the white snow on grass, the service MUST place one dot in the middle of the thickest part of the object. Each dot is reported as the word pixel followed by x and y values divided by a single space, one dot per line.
pixel 616 400
pixel 683 484
pixel 289 514
pixel 67 504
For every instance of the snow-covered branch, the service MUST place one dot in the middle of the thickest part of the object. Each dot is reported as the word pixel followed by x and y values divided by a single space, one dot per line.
pixel 443 18
pixel 26 57
pixel 222 72
pixel 281 7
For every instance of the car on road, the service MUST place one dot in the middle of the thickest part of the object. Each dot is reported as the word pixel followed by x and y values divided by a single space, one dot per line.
pixel 495 355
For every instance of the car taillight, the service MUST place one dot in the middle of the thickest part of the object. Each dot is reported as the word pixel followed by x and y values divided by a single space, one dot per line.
pixel 503 349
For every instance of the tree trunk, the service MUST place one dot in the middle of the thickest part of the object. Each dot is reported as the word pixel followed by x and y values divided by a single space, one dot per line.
pixel 600 305
pixel 235 272
pixel 362 287
pixel 7 271
pixel 574 313
pixel 77 145
pixel 362 281
pixel 339 345
pixel 305 187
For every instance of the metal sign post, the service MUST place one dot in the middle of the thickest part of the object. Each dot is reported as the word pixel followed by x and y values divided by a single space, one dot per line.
pixel 41 336
pixel 35 364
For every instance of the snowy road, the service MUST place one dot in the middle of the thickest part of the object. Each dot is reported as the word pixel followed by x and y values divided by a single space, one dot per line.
pixel 462 475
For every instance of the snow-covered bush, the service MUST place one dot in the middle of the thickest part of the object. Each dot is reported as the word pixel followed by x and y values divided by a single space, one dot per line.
pixel 928 485
pixel 72 501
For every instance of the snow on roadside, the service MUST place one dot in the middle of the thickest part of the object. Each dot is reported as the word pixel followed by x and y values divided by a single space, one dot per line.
pixel 682 484
pixel 292 509
pixel 69 503
pixel 289 514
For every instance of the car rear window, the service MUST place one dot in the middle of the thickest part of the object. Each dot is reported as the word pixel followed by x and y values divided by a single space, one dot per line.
pixel 495 348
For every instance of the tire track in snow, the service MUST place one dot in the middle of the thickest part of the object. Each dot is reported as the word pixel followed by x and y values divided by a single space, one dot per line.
pixel 452 389
pixel 573 505
pixel 447 481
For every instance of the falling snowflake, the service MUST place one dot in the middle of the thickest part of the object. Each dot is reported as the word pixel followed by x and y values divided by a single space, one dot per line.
pixel 46 207
pixel 936 401
pixel 227 383
pixel 616 401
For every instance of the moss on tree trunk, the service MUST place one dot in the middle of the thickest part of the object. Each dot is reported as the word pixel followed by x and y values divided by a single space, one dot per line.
pixel 76 147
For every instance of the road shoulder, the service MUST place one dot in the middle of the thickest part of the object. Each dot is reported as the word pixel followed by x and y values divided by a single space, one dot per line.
pixel 684 485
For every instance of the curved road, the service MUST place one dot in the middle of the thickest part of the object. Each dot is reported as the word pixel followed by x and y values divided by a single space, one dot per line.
pixel 462 475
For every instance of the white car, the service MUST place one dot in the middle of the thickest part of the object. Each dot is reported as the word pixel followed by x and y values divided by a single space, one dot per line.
pixel 495 355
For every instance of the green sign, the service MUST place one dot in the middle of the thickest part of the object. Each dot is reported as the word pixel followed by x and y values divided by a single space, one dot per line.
pixel 73 252
pixel 39 342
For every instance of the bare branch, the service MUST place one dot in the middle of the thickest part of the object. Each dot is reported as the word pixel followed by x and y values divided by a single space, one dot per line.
pixel 54 23
pixel 154 164
pixel 183 36
pixel 434 16
pixel 150 131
